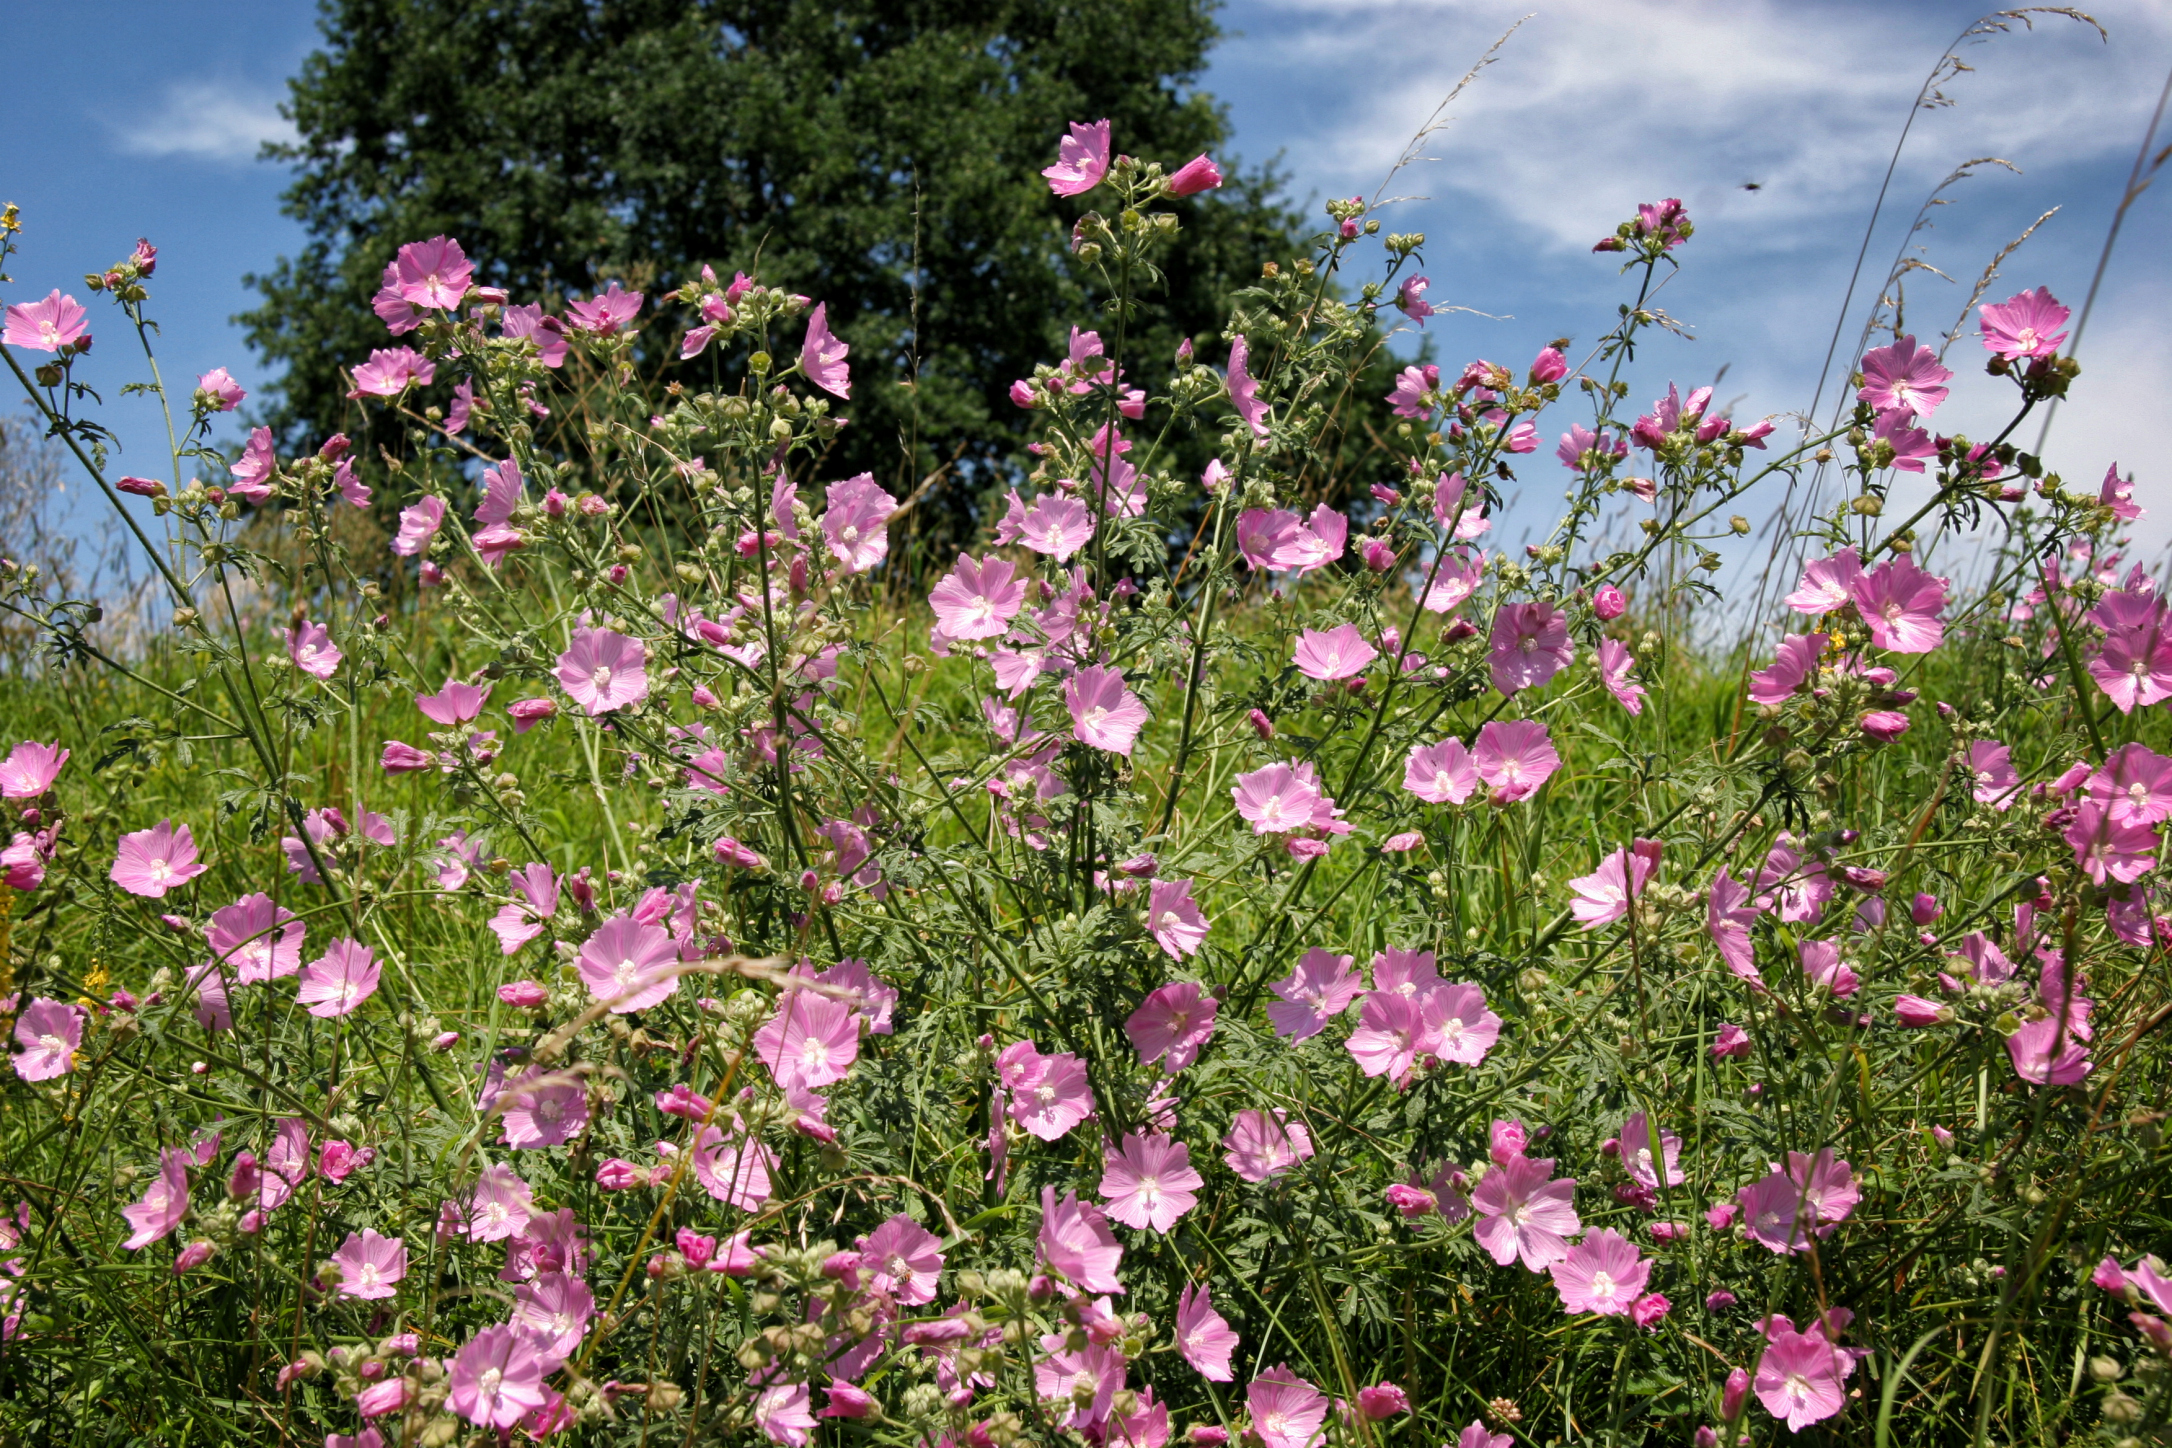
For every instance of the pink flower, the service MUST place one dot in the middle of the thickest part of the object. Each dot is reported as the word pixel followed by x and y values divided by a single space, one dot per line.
pixel 165 1202
pixel 1615 661
pixel 391 371
pixel 1172 1023
pixel 2026 324
pixel 856 522
pixel 822 355
pixel 1318 990
pixel 47 326
pixel 1082 159
pixel 1904 376
pixel 1827 584
pixel 311 648
pixel 1287 1411
pixel 1440 773
pixel 1604 1273
pixel 1149 1182
pixel 1336 653
pixel 977 599
pixel 370 1266
pixel 625 962
pixel 1900 604
pixel 418 525
pixel 49 1033
pixel 904 1259
pixel 220 389
pixel 1056 526
pixel 1104 714
pixel 1075 1240
pixel 339 981
pixel 1603 896
pixel 151 862
pixel 1049 1094
pixel 1642 1161
pixel 1514 758
pixel 256 939
pixel 1526 1214
pixel 1530 644
pixel 810 1042
pixel 1798 1378
pixel 1410 298
pixel 496 1378
pixel 543 1110
pixel 30 769
pixel 1178 926
pixel 1264 1144
pixel 1203 1336
pixel 605 313
pixel 1194 176
pixel 603 671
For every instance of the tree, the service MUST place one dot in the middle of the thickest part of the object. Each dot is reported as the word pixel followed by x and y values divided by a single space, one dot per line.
pixel 877 154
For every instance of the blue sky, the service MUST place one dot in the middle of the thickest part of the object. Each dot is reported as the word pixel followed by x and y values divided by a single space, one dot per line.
pixel 144 119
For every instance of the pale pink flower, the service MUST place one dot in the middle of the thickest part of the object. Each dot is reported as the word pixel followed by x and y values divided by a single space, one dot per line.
pixel 1454 1024
pixel 1604 1273
pixel 46 326
pixel 811 1041
pixel 1196 175
pixel 1265 1144
pixel 1278 798
pixel 903 1259
pixel 311 648
pixel 1336 653
pixel 370 1266
pixel 1615 661
pixel 1172 1024
pixel 496 1378
pixel 339 981
pixel 1603 896
pixel 1729 914
pixel 1287 1411
pixel 734 1172
pixel 543 1109
pixel 605 313
pixel 164 1203
pixel 256 939
pixel 1203 1336
pixel 50 1032
pixel 1526 1213
pixel 1049 1094
pixel 1318 990
pixel 1149 1182
pixel 1514 758
pixel 553 1311
pixel 1104 714
pixel 434 273
pixel 626 963
pixel 1244 389
pixel 151 862
pixel 1082 159
pixel 1798 1379
pixel 1900 604
pixel 1175 921
pixel 30 769
pixel 1904 376
pixel 418 525
pixel 1440 773
pixel 604 671
pixel 977 599
pixel 391 371
pixel 1641 1161
pixel 1075 1240
pixel 1827 584
pixel 2027 324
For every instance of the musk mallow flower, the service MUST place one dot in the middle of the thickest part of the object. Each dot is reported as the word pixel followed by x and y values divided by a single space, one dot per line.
pixel 1528 646
pixel 822 355
pixel 1514 757
pixel 370 1265
pixel 339 981
pixel 1331 654
pixel 1604 1274
pixel 1321 988
pixel 1903 376
pixel 1203 1335
pixel 151 862
pixel 603 671
pixel 1082 159
pixel 30 769
pixel 2027 324
pixel 1264 1144
pixel 1525 1213
pixel 49 1032
pixel 1104 714
pixel 1149 1181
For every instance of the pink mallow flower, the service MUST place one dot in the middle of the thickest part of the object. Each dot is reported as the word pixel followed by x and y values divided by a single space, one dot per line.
pixel 1514 757
pixel 339 981
pixel 1604 1273
pixel 604 671
pixel 1104 714
pixel 1265 1144
pixel 1336 653
pixel 151 862
pixel 1603 896
pixel 2027 324
pixel 1321 988
pixel 1287 1411
pixel 1203 1335
pixel 49 1032
pixel 370 1266
pixel 1082 159
pixel 1525 1213
pixel 30 769
pixel 1149 1182
pixel 1172 1024
pixel 1529 645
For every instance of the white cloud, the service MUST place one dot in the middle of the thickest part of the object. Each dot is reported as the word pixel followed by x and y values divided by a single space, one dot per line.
pixel 208 120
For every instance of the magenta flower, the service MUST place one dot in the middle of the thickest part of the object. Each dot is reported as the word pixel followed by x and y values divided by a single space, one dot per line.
pixel 418 525
pixel 311 648
pixel 1514 758
pixel 1049 1094
pixel 1900 604
pixel 1104 714
pixel 810 1042
pixel 1175 921
pixel 1265 1144
pixel 30 769
pixel 1172 1023
pixel 1440 773
pixel 1604 1273
pixel 734 1172
pixel 625 962
pixel 1278 798
pixel 49 1033
pixel 391 371
pixel 1615 661
pixel 1643 1163
pixel 1194 176
pixel 434 273
pixel 339 981
pixel 1075 1240
pixel 47 326
pixel 904 1259
pixel 605 313
pixel 164 1203
pixel 603 671
pixel 553 1311
pixel 1904 376
pixel 370 1266
pixel 1082 159
pixel 497 1378
pixel 1318 990
pixel 1336 653
pixel 151 862
pixel 1529 645
pixel 1149 1182
pixel 1203 1336
pixel 1525 1213
pixel 255 939
pixel 1798 1377
pixel 2026 324
pixel 218 389
pixel 543 1109
pixel 1603 896
pixel 1244 389
pixel 977 599
pixel 1287 1411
